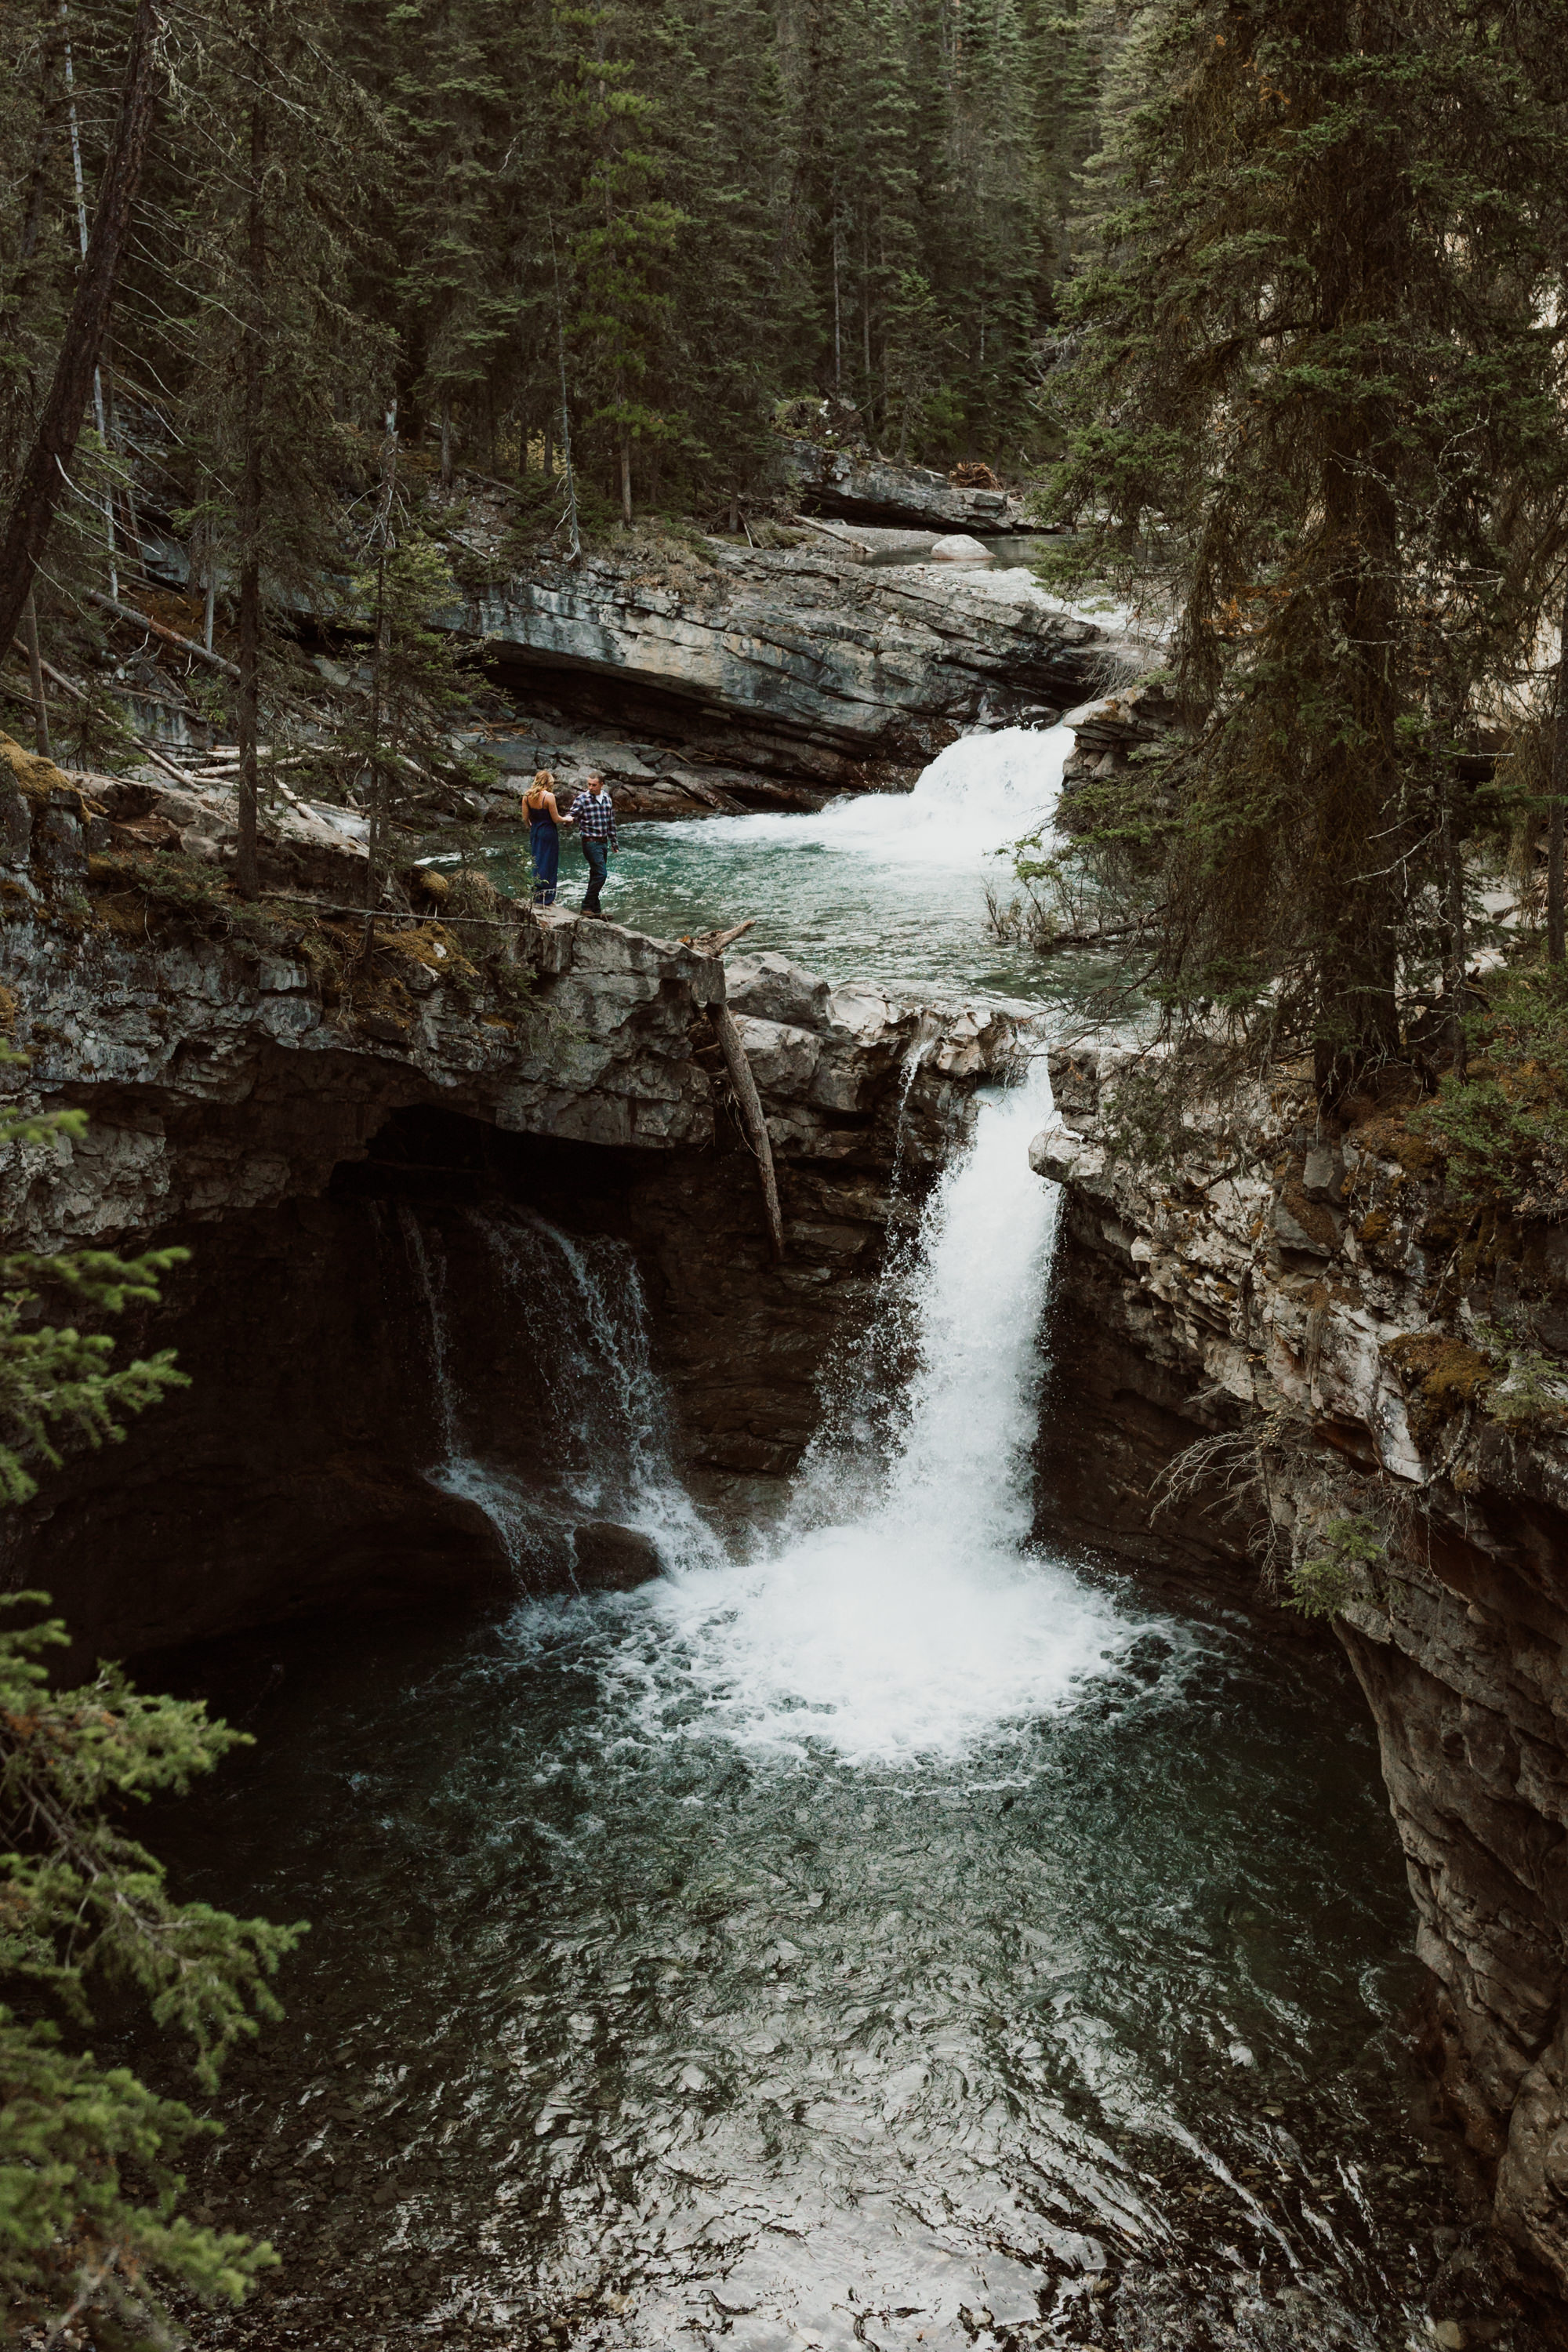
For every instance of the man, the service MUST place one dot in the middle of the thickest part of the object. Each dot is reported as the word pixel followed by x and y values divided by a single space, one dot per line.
pixel 594 818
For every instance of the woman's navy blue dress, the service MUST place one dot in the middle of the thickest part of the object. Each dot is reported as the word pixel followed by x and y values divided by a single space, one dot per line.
pixel 544 848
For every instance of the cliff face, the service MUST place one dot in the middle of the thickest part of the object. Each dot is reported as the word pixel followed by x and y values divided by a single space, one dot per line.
pixel 815 668
pixel 863 488
pixel 288 1117
pixel 1342 1379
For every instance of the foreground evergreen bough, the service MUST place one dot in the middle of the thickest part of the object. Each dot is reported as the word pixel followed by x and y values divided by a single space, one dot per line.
pixel 90 2193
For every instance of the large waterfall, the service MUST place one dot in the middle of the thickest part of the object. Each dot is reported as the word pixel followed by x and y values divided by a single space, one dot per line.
pixel 917 1622
pixel 896 1612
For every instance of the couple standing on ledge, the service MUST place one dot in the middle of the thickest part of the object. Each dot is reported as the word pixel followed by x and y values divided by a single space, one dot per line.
pixel 592 813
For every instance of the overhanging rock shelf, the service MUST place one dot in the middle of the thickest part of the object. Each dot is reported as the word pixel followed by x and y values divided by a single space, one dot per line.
pixel 235 1107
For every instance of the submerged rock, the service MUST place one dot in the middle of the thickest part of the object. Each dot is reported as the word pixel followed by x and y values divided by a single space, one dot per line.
pixel 959 548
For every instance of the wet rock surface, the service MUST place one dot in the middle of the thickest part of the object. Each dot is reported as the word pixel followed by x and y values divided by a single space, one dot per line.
pixel 611 1558
pixel 815 667
pixel 280 1130
pixel 1288 1313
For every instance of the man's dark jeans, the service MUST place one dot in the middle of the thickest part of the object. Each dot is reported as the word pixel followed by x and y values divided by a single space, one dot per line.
pixel 599 871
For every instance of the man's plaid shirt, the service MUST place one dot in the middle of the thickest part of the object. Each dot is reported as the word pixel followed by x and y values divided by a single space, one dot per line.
pixel 593 816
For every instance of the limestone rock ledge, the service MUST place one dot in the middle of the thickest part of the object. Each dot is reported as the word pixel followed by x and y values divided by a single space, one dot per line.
pixel 810 665
pixel 349 1151
pixel 1290 1313
pixel 219 1080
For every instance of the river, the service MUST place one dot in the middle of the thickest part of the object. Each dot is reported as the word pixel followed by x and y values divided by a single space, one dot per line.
pixel 887 886
pixel 877 1934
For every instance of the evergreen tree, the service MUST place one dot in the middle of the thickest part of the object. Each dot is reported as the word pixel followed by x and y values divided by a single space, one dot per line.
pixel 89 2195
pixel 1318 402
pixel 620 229
pixel 42 475
pixel 272 360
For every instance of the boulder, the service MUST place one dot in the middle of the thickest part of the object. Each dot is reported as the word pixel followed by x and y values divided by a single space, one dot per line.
pixel 783 1059
pixel 959 548
pixel 771 988
pixel 863 488
pixel 612 1559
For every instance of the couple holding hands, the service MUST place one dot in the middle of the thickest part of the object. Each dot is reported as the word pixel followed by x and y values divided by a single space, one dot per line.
pixel 592 813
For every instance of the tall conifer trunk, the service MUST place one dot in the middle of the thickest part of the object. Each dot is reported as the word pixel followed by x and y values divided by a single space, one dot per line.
pixel 253 342
pixel 1554 910
pixel 43 476
pixel 1359 280
pixel 35 671
pixel 375 843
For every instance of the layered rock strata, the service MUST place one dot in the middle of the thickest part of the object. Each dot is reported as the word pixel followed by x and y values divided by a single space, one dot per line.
pixel 815 667
pixel 864 489
pixel 286 1126
pixel 1334 1373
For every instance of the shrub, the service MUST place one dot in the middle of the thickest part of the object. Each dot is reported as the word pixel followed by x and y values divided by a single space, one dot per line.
pixel 1503 1125
pixel 1322 1585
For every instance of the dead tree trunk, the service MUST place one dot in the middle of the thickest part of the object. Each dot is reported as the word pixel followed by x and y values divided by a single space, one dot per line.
pixel 254 344
pixel 756 1126
pixel 44 475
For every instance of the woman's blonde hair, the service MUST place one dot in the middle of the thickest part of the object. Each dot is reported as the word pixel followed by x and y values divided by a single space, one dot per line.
pixel 543 782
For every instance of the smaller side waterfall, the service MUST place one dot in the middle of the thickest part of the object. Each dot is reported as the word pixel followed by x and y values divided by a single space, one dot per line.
pixel 431 1282
pixel 589 1439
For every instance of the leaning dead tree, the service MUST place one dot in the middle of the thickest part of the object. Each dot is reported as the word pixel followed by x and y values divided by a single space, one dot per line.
pixel 747 1101
pixel 44 475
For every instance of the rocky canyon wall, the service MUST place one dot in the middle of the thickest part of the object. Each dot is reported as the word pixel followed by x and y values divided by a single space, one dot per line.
pixel 796 663
pixel 1346 1385
pixel 286 1113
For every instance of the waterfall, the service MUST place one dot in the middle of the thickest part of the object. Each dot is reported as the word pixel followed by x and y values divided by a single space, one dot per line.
pixel 431 1284
pixel 602 1443
pixel 917 1622
pixel 976 797
pixel 582 1304
pixel 900 1611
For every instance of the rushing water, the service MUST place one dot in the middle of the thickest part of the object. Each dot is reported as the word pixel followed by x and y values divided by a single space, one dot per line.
pixel 887 886
pixel 877 1934
pixel 891 1938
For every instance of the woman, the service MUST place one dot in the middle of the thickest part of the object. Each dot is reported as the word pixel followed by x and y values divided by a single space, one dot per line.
pixel 544 821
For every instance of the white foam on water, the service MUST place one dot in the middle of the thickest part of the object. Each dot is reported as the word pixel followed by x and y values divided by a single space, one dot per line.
pixel 974 798
pixel 919 1626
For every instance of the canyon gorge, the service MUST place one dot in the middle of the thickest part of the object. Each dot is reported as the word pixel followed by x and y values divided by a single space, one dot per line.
pixel 664 1613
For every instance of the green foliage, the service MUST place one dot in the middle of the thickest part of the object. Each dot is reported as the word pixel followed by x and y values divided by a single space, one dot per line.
pixel 1502 1125
pixel 1322 1584
pixel 89 2198
pixel 1311 404
pixel 90 2194
pixel 1529 1392
pixel 56 1376
pixel 403 731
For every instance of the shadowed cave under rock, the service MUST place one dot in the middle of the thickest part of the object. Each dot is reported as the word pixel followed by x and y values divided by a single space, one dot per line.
pixel 340 1350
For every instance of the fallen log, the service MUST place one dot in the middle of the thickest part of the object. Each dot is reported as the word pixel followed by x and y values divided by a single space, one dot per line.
pixel 1103 936
pixel 756 1126
pixel 715 942
pixel 167 636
